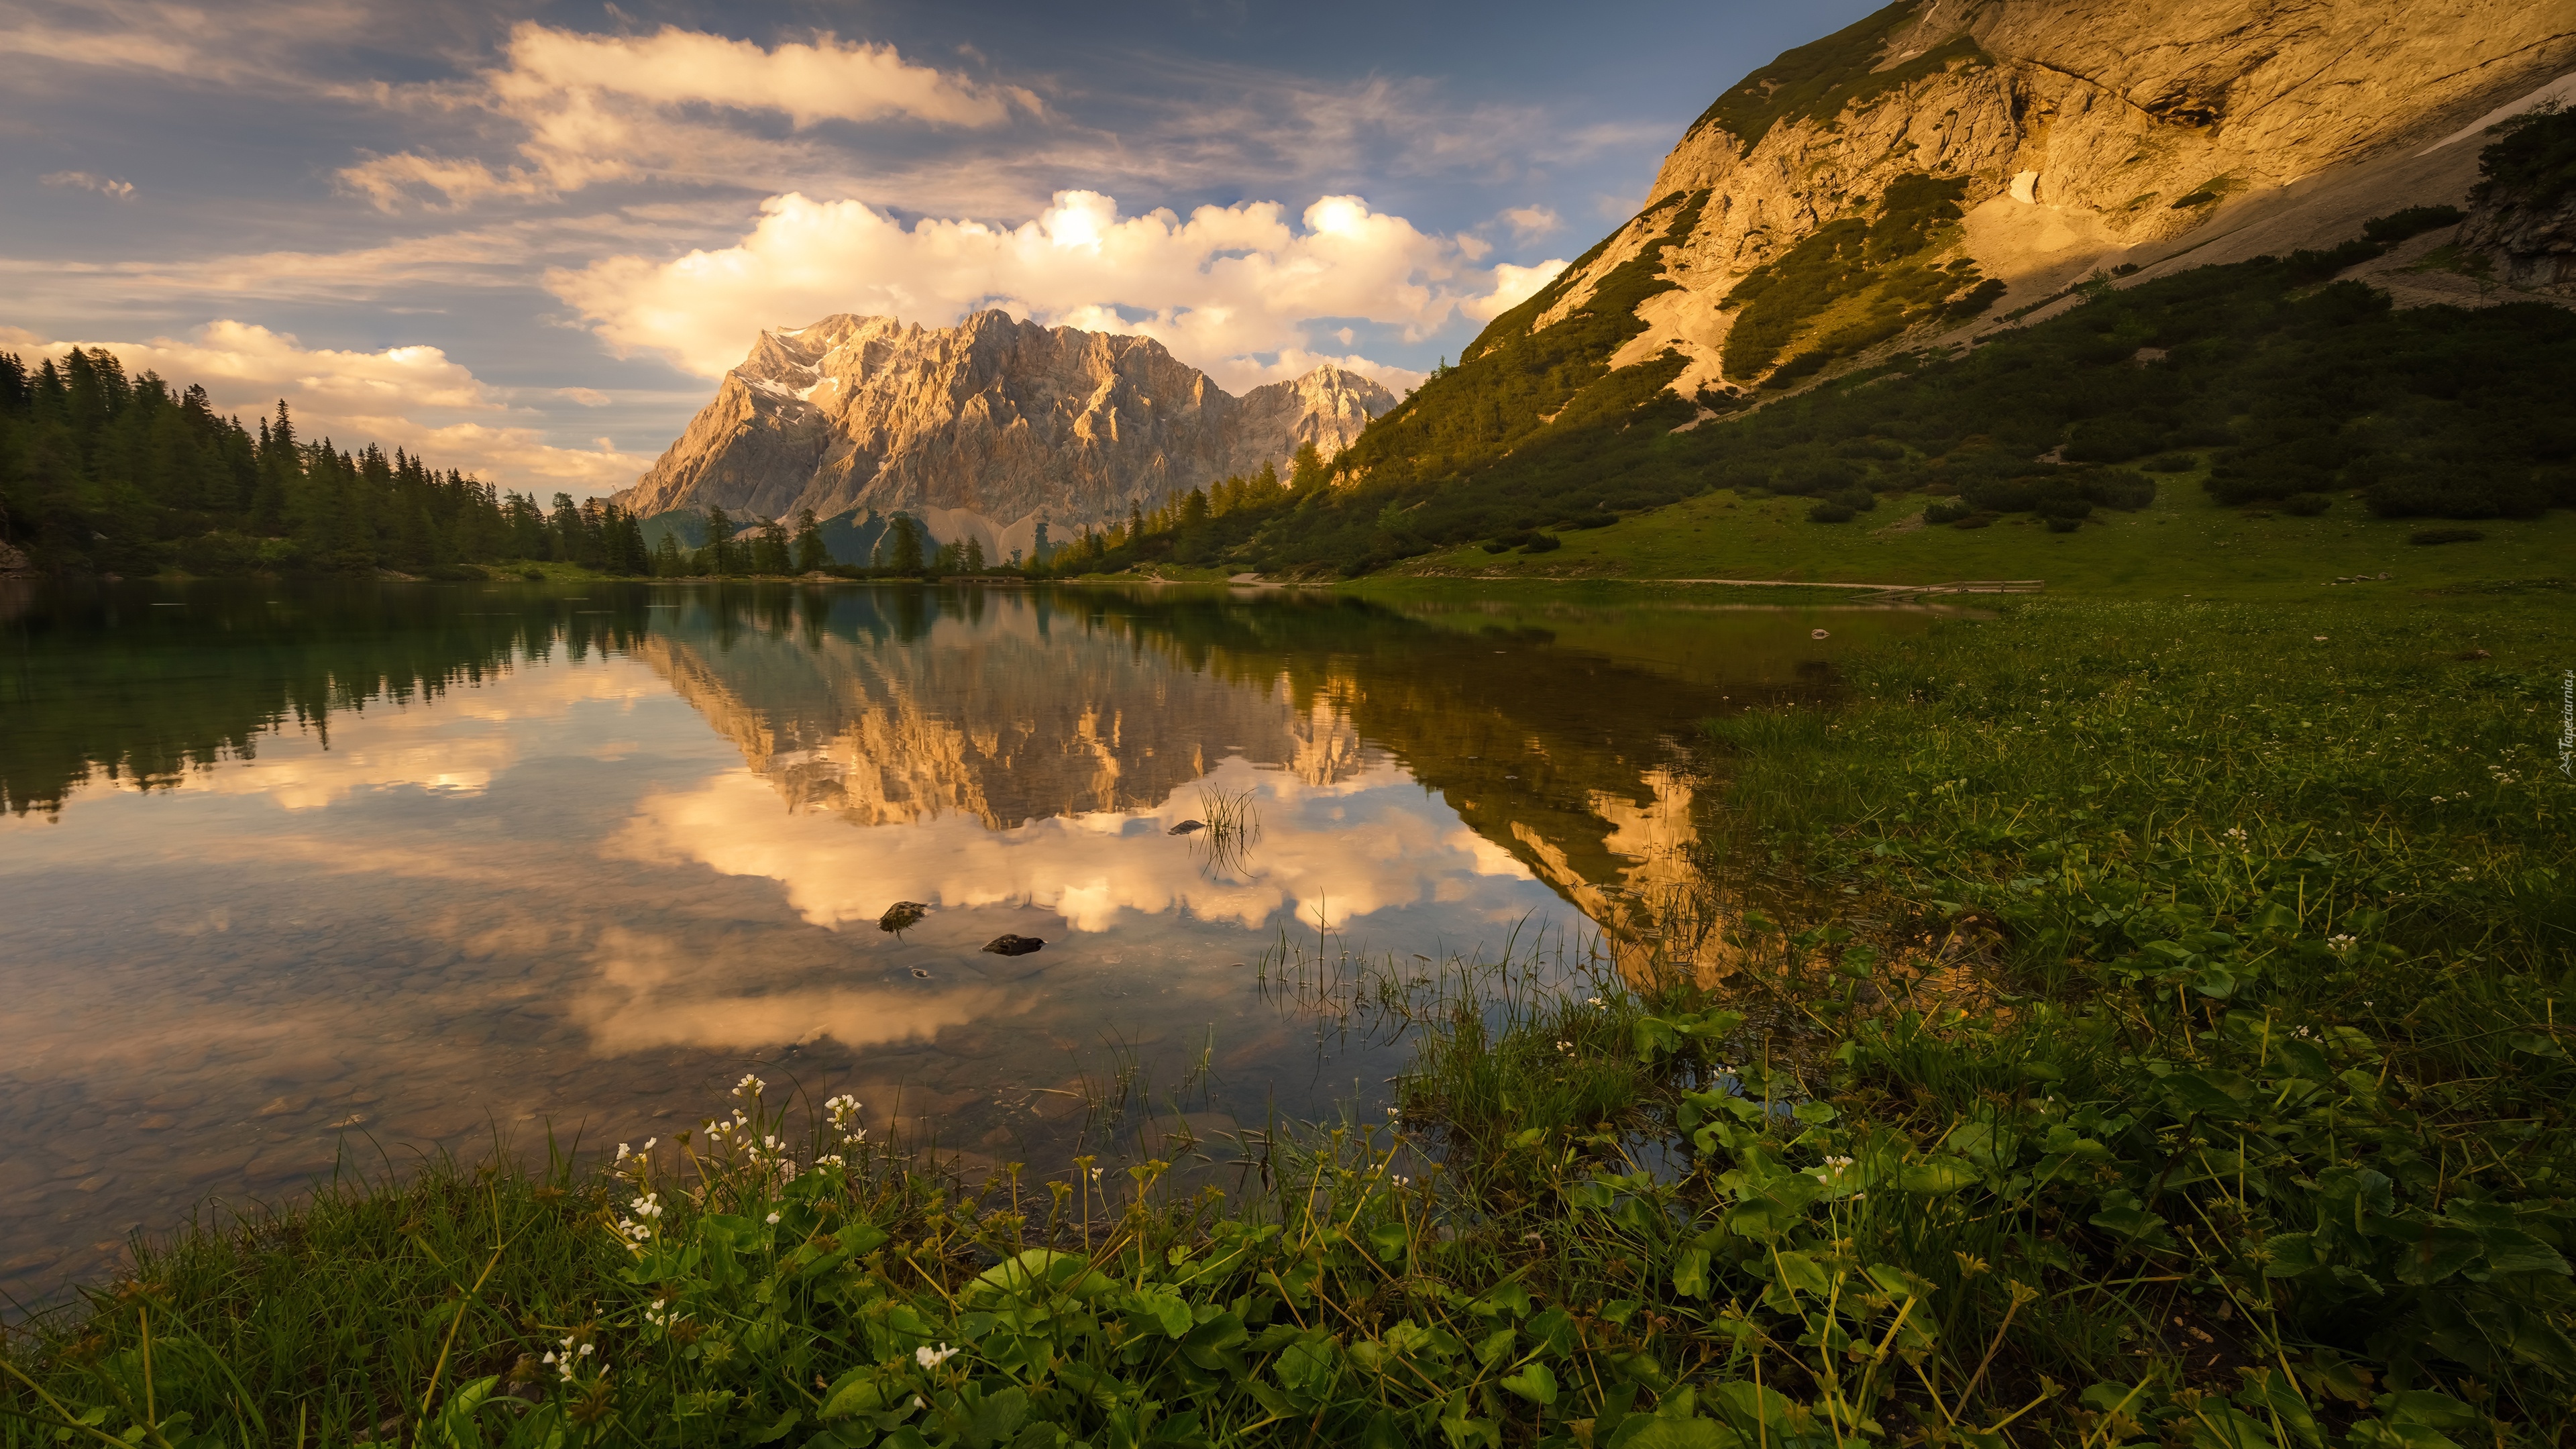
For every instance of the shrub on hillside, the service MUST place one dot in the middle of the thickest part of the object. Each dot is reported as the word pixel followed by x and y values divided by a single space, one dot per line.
pixel 2113 439
pixel 2397 226
pixel 2306 505
pixel 2064 524
pixel 1831 512
pixel 2118 488
pixel 1947 511
pixel 1543 543
pixel 2429 536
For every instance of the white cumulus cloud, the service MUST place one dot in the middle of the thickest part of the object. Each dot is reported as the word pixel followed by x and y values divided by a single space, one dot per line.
pixel 1222 288
pixel 408 397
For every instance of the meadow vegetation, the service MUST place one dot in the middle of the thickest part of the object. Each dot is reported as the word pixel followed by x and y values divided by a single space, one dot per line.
pixel 2107 1024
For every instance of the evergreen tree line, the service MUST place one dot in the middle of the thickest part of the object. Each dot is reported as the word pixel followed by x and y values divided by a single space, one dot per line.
pixel 1192 527
pixel 104 472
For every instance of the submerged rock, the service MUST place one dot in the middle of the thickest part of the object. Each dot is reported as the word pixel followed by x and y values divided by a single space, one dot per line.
pixel 1187 827
pixel 1007 945
pixel 902 916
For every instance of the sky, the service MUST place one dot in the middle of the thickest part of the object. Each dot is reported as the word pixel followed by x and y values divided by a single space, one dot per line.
pixel 525 241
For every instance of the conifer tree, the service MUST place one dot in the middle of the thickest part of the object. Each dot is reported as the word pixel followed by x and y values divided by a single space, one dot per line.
pixel 903 546
pixel 720 546
pixel 811 555
pixel 769 548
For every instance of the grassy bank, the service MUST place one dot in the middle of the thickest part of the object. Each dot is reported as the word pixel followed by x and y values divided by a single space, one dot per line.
pixel 2148 1035
pixel 2184 542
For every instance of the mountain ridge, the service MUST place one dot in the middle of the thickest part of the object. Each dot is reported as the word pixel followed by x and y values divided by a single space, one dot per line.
pixel 999 424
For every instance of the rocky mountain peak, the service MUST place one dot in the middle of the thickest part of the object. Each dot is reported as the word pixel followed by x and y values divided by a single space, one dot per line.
pixel 985 428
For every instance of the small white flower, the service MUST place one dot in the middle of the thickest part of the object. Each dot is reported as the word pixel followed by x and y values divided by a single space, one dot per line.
pixel 624 1152
pixel 772 1220
pixel 749 1086
pixel 588 1349
pixel 930 1358
pixel 649 1141
pixel 1592 1000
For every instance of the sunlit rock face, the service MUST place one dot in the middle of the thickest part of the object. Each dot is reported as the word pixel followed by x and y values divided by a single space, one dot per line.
pixel 1005 420
pixel 2083 129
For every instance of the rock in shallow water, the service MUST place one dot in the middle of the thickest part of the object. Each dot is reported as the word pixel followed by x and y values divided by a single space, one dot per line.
pixel 1187 827
pixel 1007 945
pixel 902 916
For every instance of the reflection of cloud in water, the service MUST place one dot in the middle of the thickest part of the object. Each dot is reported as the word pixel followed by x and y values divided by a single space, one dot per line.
pixel 651 991
pixel 455 744
pixel 1367 842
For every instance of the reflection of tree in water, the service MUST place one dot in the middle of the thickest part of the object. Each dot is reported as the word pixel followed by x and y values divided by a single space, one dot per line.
pixel 98 682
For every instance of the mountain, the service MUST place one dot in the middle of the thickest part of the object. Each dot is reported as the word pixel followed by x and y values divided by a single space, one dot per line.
pixel 985 429
pixel 2062 137
pixel 1939 167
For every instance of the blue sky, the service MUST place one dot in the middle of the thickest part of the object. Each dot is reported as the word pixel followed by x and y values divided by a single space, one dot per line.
pixel 525 240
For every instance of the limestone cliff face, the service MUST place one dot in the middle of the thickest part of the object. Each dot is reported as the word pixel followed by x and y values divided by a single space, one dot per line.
pixel 2085 129
pixel 993 419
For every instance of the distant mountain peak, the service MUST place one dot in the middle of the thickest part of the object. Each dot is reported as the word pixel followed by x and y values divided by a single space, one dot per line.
pixel 994 419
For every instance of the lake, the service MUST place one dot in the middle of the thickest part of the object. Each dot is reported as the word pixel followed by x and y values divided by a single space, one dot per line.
pixel 298 879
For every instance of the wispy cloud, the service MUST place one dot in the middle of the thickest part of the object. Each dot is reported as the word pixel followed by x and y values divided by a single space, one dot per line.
pixel 598 108
pixel 104 186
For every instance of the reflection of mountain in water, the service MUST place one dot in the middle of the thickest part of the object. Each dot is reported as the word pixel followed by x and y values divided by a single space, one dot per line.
pixel 1014 711
pixel 893 705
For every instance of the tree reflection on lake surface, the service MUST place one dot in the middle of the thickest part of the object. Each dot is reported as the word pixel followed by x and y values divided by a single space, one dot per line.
pixel 296 876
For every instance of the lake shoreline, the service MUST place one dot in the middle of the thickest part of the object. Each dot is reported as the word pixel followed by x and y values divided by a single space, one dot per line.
pixel 2062 1058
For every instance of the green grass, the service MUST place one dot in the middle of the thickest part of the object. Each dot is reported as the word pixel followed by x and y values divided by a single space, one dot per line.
pixel 2150 1037
pixel 2182 544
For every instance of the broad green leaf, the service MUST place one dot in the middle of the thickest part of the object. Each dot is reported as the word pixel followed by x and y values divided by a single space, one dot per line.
pixel 855 1392
pixel 1803 1273
pixel 1656 1432
pixel 2290 1254
pixel 1534 1382
pixel 1936 1175
pixel 2213 1092
pixel 2443 1249
pixel 2428 1407
pixel 1690 1273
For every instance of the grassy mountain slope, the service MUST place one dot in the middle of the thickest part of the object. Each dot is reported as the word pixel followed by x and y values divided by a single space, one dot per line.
pixel 2261 385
